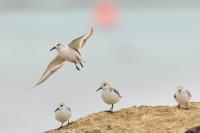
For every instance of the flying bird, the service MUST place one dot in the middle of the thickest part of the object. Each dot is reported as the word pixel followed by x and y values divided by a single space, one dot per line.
pixel 109 95
pixel 70 53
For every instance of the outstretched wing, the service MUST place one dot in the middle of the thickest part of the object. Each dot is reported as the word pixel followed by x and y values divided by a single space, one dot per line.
pixel 78 43
pixel 53 66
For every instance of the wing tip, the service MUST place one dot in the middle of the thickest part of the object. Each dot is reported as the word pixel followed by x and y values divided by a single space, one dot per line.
pixel 35 85
pixel 92 30
pixel 38 83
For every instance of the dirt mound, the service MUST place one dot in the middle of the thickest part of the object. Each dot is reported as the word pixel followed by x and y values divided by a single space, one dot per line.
pixel 142 119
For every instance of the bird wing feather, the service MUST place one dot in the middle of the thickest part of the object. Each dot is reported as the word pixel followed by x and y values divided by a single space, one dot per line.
pixel 53 66
pixel 79 42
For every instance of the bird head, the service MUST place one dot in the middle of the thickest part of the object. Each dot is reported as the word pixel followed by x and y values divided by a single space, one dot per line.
pixel 103 85
pixel 180 88
pixel 60 106
pixel 58 46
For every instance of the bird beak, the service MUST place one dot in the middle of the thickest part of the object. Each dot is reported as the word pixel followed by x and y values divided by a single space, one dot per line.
pixel 99 89
pixel 52 48
pixel 57 109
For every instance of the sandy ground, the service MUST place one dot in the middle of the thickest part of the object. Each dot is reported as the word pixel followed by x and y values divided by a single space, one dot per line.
pixel 142 119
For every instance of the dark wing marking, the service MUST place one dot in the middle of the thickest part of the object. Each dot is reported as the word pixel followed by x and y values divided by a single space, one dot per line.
pixel 68 108
pixel 188 93
pixel 77 51
pixel 116 92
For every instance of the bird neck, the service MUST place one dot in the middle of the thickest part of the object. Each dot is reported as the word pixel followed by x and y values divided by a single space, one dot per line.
pixel 107 89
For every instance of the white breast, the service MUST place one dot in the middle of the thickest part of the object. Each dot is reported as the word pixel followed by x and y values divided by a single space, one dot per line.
pixel 110 97
pixel 68 54
pixel 62 115
pixel 182 98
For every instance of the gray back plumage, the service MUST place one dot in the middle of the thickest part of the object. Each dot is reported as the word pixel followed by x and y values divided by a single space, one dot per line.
pixel 188 93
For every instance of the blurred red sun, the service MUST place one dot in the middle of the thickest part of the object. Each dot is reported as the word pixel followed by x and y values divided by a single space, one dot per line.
pixel 105 14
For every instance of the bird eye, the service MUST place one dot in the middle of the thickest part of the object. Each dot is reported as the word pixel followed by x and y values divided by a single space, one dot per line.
pixel 58 44
pixel 61 105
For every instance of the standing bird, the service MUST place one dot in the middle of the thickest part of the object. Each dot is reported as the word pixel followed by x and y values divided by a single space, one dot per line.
pixel 109 95
pixel 182 97
pixel 62 113
pixel 70 53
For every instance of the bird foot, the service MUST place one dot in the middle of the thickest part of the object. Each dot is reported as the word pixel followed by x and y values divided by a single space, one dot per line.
pixel 186 106
pixel 179 106
pixel 60 127
pixel 109 111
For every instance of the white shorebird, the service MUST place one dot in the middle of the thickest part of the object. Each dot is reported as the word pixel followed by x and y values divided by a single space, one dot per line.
pixel 70 53
pixel 109 95
pixel 182 97
pixel 62 114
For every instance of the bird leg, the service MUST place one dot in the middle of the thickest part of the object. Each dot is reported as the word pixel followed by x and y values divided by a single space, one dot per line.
pixel 186 106
pixel 61 126
pixel 111 109
pixel 80 62
pixel 76 66
pixel 68 123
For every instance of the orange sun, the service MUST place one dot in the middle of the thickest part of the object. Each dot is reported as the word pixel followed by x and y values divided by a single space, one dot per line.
pixel 105 14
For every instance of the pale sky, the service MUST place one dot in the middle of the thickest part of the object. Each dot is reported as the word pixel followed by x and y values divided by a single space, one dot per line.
pixel 77 4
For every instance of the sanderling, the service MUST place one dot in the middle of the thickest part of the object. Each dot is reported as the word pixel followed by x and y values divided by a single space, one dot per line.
pixel 109 95
pixel 70 53
pixel 182 97
pixel 62 114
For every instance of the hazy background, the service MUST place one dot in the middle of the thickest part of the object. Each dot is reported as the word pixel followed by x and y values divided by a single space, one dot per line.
pixel 149 48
